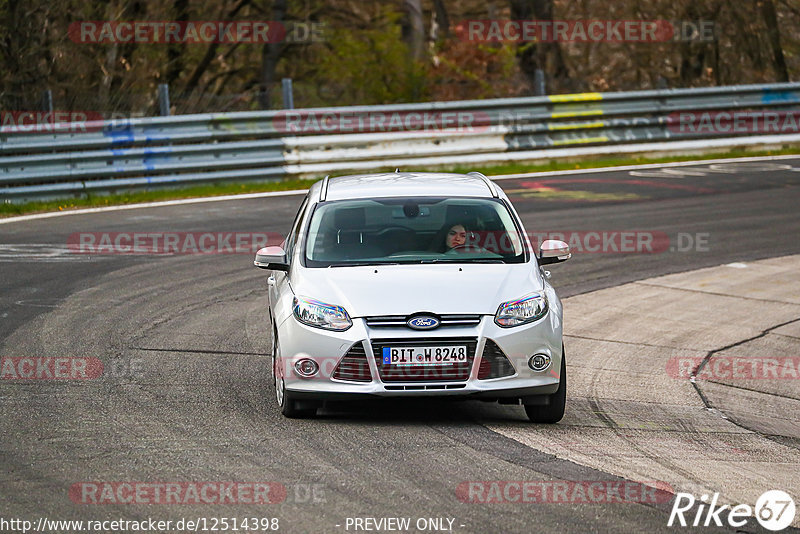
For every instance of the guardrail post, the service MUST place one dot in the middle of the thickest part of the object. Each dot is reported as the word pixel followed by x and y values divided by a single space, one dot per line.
pixel 538 83
pixel 163 99
pixel 47 101
pixel 288 97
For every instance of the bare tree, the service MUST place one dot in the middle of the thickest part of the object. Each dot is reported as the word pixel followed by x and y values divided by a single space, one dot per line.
pixel 545 56
pixel 774 36
pixel 698 57
pixel 25 52
pixel 175 52
pixel 413 28
pixel 270 54
pixel 211 51
pixel 442 18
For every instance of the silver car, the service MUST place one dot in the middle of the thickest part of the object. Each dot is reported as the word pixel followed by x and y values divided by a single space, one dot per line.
pixel 414 284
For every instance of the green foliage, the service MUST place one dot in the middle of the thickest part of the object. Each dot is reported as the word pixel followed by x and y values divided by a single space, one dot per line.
pixel 474 70
pixel 363 58
pixel 370 66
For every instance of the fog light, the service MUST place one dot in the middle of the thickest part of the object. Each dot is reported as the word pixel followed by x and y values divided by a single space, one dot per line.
pixel 306 368
pixel 539 362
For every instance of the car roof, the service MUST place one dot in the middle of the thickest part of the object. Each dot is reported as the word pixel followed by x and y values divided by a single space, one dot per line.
pixel 404 184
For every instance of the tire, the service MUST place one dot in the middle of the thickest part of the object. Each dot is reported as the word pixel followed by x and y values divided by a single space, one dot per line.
pixel 289 405
pixel 286 403
pixel 553 412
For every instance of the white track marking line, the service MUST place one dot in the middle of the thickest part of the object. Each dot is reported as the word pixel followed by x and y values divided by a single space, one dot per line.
pixel 246 196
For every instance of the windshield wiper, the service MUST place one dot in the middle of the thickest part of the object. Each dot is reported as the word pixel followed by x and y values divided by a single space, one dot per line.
pixel 454 260
pixel 360 264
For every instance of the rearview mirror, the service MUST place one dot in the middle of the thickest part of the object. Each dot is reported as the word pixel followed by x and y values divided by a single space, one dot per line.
pixel 553 251
pixel 271 258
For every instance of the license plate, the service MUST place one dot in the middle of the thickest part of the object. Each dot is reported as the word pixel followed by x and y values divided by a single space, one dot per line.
pixel 407 356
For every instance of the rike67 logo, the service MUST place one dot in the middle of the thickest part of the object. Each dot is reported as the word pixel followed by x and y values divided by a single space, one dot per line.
pixel 774 510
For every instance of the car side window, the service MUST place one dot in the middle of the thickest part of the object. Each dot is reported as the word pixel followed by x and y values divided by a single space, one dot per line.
pixel 291 239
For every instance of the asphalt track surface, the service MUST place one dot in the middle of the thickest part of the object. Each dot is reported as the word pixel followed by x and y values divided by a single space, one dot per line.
pixel 187 396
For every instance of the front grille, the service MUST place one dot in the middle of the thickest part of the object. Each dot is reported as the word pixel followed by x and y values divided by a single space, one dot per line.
pixel 399 321
pixel 419 373
pixel 354 367
pixel 494 363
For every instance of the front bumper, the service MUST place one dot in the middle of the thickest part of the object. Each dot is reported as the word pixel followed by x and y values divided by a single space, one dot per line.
pixel 298 341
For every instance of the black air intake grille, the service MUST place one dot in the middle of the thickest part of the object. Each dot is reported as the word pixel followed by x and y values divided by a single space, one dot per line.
pixel 354 367
pixel 494 362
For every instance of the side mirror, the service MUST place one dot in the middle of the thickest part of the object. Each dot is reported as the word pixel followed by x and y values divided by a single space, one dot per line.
pixel 271 258
pixel 553 251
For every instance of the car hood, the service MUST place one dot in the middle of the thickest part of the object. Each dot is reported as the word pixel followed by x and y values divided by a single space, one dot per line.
pixel 406 289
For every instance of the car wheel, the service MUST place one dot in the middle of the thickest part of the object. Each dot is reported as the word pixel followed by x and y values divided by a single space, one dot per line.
pixel 274 361
pixel 286 403
pixel 553 412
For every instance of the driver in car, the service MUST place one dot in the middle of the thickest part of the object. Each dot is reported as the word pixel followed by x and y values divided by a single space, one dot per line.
pixel 456 236
pixel 452 237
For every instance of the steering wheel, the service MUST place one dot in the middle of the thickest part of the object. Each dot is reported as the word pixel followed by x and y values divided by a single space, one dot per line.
pixel 465 248
pixel 395 229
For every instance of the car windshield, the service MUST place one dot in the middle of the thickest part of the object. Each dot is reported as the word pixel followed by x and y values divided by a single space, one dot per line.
pixel 412 230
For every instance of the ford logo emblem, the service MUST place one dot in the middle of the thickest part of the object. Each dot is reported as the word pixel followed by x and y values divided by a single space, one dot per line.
pixel 423 322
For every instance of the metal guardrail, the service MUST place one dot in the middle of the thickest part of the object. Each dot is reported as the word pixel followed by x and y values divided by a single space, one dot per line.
pixel 73 158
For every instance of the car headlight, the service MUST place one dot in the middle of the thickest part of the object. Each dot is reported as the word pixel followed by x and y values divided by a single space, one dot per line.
pixel 315 313
pixel 525 310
